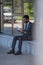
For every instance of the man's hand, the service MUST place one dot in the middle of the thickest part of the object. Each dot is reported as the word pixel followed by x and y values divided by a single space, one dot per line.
pixel 20 31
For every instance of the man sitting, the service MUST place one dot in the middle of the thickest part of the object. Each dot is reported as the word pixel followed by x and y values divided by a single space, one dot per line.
pixel 27 35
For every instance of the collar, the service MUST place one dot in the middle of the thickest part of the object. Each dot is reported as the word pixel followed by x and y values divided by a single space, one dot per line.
pixel 27 23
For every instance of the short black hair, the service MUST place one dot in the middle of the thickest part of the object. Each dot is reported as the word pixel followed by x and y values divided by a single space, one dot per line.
pixel 26 16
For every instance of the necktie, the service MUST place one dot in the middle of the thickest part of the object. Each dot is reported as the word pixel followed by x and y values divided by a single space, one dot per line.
pixel 26 27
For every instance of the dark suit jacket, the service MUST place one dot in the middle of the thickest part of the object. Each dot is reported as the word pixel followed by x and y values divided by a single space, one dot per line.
pixel 28 33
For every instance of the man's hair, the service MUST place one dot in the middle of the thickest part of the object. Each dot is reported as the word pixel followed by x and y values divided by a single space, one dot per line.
pixel 26 16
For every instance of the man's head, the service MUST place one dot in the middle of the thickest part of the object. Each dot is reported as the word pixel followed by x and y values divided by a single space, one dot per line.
pixel 26 18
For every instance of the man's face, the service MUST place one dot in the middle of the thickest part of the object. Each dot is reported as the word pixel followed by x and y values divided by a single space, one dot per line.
pixel 25 20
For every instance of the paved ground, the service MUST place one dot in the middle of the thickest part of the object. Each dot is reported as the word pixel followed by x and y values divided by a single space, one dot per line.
pixel 6 59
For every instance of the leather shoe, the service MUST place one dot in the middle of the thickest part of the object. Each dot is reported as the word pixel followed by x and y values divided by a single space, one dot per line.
pixel 18 53
pixel 11 52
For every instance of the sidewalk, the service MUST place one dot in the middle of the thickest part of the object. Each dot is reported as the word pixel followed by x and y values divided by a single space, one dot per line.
pixel 6 59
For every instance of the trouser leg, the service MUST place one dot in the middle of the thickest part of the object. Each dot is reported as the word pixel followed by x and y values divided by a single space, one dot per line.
pixel 14 42
pixel 20 43
pixel 20 38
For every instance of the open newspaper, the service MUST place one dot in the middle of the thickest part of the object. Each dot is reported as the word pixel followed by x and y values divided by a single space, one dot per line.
pixel 18 28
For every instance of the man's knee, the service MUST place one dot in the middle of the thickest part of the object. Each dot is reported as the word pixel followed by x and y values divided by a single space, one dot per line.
pixel 15 37
pixel 20 38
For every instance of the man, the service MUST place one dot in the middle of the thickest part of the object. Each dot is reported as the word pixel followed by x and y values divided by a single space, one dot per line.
pixel 27 35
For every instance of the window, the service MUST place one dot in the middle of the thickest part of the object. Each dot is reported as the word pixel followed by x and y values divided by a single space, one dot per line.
pixel 12 16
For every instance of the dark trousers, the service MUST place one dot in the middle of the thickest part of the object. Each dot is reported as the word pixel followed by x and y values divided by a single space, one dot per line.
pixel 20 38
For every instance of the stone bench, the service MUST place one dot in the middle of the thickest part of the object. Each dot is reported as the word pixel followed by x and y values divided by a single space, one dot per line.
pixel 6 41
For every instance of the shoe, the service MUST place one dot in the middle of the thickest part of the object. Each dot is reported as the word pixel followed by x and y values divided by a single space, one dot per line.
pixel 11 52
pixel 18 53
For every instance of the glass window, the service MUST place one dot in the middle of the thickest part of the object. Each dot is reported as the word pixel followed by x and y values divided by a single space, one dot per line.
pixel 13 10
pixel 12 16
pixel 18 6
pixel 7 17
pixel 29 9
pixel 7 0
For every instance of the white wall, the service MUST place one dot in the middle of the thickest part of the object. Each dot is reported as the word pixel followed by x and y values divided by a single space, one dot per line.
pixel 38 31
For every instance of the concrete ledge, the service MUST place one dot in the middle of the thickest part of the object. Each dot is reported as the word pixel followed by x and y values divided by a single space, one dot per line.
pixel 6 41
